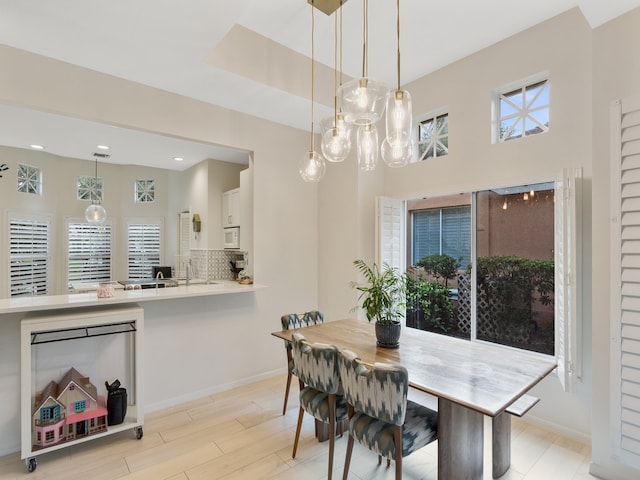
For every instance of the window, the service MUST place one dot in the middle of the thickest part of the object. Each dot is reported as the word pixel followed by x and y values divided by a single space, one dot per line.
pixel 29 179
pixel 512 290
pixel 50 413
pixel 49 436
pixel 79 406
pixel 433 137
pixel 28 256
pixel 89 252
pixel 143 248
pixel 90 188
pixel 145 191
pixel 438 231
pixel 523 111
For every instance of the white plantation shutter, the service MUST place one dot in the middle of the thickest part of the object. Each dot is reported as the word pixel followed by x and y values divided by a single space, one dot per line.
pixel 625 280
pixel 89 252
pixel 390 228
pixel 567 253
pixel 28 257
pixel 143 248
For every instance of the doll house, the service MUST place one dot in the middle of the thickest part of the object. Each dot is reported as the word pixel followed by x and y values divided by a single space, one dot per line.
pixel 68 410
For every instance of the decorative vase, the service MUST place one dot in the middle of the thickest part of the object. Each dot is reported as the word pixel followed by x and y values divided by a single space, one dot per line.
pixel 388 334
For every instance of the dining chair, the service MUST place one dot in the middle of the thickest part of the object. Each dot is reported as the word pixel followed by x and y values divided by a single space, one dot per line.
pixel 381 417
pixel 289 322
pixel 316 365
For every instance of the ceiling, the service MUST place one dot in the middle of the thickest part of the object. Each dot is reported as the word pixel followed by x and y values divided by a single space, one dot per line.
pixel 226 53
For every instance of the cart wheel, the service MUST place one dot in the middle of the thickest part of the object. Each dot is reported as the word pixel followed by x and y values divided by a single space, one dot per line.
pixel 139 433
pixel 31 464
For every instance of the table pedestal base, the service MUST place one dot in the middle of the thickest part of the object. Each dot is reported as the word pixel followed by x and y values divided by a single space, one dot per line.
pixel 501 440
pixel 460 442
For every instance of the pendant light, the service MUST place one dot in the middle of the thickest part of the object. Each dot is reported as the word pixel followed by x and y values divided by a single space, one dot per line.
pixel 95 213
pixel 312 165
pixel 363 99
pixel 396 148
pixel 336 138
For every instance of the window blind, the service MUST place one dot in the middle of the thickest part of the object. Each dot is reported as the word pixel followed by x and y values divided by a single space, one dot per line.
pixel 89 257
pixel 28 257
pixel 143 240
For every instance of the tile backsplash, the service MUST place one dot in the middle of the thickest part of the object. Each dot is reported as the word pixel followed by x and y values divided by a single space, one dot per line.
pixel 213 265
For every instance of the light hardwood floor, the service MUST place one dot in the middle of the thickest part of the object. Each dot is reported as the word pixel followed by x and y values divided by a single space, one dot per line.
pixel 241 434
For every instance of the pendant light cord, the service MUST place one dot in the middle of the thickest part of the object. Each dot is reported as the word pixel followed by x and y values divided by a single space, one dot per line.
pixel 95 184
pixel 312 73
pixel 335 69
pixel 365 37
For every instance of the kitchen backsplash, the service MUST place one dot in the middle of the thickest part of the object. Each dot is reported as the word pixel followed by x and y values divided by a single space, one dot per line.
pixel 210 265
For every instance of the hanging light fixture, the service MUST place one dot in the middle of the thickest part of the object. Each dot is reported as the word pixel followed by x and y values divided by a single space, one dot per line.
pixel 312 165
pixel 95 213
pixel 396 148
pixel 363 99
pixel 336 138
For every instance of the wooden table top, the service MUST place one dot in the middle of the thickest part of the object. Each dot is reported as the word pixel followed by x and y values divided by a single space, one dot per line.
pixel 482 377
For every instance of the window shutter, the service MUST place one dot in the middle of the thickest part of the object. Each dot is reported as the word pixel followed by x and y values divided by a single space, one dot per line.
pixel 28 257
pixel 143 240
pixel 390 232
pixel 566 215
pixel 625 279
pixel 89 252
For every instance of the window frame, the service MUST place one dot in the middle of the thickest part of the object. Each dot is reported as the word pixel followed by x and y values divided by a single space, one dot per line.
pixel 568 351
pixel 431 116
pixel 521 84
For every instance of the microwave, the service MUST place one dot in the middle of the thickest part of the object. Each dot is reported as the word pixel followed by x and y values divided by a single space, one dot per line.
pixel 231 237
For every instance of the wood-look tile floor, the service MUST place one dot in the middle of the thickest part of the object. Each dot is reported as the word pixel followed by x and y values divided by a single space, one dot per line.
pixel 242 434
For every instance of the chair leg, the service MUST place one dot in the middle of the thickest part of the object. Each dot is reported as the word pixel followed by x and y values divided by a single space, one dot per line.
pixel 286 392
pixel 347 458
pixel 332 432
pixel 295 442
pixel 397 437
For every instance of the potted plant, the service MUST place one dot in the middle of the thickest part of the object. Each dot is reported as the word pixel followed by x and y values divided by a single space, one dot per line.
pixel 382 297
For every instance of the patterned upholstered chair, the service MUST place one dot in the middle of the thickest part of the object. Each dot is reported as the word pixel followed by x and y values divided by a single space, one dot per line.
pixel 316 365
pixel 380 416
pixel 289 322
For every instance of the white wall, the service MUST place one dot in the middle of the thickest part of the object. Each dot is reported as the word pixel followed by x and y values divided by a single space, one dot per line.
pixel 614 77
pixel 215 334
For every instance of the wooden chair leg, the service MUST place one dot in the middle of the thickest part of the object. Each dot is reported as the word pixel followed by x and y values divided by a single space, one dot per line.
pixel 286 392
pixel 347 458
pixel 298 427
pixel 332 432
pixel 397 437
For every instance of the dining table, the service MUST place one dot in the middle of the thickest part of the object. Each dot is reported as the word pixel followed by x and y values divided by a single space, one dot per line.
pixel 470 379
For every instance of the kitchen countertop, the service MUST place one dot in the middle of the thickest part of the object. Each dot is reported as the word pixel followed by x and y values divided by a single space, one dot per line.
pixel 90 299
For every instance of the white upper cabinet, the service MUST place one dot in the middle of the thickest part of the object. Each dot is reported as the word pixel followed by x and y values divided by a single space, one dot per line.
pixel 231 208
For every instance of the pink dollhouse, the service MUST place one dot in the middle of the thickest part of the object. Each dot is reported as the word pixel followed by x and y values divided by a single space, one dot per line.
pixel 68 410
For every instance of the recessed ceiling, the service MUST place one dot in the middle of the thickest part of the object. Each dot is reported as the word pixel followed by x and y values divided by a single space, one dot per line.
pixel 185 48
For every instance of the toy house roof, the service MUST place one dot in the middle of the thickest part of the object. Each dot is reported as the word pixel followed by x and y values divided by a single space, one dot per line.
pixel 82 382
pixel 53 390
pixel 49 392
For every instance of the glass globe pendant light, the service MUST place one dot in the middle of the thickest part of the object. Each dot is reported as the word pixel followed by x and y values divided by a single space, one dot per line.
pixel 367 147
pixel 336 138
pixel 363 99
pixel 95 213
pixel 312 165
pixel 396 148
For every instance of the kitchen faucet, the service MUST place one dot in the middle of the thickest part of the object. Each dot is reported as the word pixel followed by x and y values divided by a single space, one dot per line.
pixel 158 275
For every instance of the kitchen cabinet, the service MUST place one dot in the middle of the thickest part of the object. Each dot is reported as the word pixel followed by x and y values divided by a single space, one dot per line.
pixel 231 208
pixel 86 337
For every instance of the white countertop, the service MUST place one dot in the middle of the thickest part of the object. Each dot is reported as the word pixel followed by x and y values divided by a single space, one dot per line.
pixel 54 302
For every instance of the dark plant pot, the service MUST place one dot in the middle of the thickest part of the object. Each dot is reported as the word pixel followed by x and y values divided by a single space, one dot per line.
pixel 388 335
